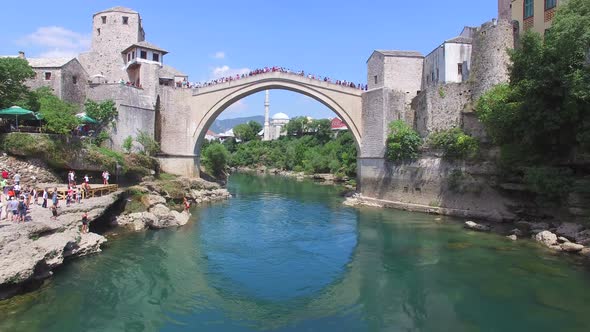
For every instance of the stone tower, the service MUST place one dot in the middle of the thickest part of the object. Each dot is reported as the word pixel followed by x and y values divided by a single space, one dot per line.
pixel 266 117
pixel 113 30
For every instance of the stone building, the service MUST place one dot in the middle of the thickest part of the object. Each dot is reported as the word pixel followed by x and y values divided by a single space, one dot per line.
pixel 131 69
pixel 277 123
pixel 450 62
pixel 531 14
pixel 65 76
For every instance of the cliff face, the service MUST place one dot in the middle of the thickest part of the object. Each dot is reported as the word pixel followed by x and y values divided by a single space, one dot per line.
pixel 30 251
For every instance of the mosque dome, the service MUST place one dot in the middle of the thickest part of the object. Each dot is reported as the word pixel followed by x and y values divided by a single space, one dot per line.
pixel 280 116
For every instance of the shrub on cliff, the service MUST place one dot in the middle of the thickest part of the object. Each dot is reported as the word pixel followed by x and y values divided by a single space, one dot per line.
pixel 549 182
pixel 454 143
pixel 403 143
pixel 215 158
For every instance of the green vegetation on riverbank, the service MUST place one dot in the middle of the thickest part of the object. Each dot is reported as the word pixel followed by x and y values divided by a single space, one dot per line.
pixel 307 153
pixel 63 152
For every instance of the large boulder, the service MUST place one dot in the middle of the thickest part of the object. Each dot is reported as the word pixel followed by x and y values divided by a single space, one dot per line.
pixel 583 237
pixel 476 227
pixel 163 217
pixel 151 200
pixel 569 230
pixel 547 238
pixel 181 217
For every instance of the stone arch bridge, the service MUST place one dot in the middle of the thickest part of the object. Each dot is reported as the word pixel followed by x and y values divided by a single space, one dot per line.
pixel 187 114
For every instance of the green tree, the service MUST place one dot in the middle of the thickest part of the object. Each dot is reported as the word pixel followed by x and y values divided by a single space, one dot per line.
pixel 215 158
pixel 244 132
pixel 103 112
pixel 297 126
pixel 321 128
pixel 59 117
pixel 13 73
pixel 255 126
pixel 403 142
pixel 149 144
pixel 544 111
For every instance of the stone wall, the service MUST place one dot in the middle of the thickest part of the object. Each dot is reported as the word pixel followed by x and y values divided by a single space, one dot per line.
pixel 489 59
pixel 39 80
pixel 136 110
pixel 440 107
pixel 68 82
pixel 74 81
pixel 433 183
pixel 109 39
pixel 404 74
pixel 380 107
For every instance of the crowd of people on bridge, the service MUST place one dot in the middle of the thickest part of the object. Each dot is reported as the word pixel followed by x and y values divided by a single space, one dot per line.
pixel 265 70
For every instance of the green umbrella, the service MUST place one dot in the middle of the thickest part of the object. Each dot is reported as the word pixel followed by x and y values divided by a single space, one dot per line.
pixel 85 118
pixel 16 112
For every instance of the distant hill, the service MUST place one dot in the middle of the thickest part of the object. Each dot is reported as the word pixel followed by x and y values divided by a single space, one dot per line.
pixel 221 126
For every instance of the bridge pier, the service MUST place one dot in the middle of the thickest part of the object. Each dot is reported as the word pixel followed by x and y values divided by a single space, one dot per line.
pixel 183 165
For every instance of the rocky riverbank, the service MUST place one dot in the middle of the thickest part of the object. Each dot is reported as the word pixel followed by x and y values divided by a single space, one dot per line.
pixel 154 202
pixel 558 236
pixel 30 251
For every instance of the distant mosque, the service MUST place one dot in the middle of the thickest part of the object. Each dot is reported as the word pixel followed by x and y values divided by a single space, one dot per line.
pixel 273 128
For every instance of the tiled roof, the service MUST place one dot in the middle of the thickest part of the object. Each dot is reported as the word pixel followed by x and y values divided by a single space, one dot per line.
pixel 118 9
pixel 144 44
pixel 411 54
pixel 459 40
pixel 170 72
pixel 48 62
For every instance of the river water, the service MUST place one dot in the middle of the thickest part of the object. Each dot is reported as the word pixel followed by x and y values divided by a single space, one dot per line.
pixel 284 255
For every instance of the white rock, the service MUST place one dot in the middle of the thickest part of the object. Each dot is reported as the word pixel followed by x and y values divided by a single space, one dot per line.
pixel 512 237
pixel 562 239
pixel 476 227
pixel 546 237
pixel 571 247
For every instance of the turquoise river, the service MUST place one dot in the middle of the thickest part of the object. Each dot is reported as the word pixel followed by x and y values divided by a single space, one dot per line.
pixel 283 255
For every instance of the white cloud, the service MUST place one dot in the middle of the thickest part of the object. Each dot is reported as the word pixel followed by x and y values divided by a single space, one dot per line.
pixel 54 41
pixel 219 55
pixel 225 71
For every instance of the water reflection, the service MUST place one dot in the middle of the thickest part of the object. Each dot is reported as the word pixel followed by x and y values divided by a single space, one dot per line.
pixel 287 256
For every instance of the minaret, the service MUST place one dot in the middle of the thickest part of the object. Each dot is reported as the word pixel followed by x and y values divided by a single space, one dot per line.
pixel 266 118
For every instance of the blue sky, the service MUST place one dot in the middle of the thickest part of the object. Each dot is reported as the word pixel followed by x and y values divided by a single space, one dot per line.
pixel 209 38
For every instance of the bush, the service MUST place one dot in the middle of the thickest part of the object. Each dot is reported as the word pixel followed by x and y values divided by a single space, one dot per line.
pixel 149 144
pixel 128 144
pixel 215 158
pixel 402 142
pixel 454 143
pixel 549 182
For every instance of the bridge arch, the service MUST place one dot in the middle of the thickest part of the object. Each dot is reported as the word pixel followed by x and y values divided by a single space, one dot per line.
pixel 212 101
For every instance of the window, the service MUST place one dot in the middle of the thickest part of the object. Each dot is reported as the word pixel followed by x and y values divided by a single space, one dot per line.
pixel 98 31
pixel 47 75
pixel 156 57
pixel 125 20
pixel 133 55
pixel 75 79
pixel 460 69
pixel 104 19
pixel 437 76
pixel 529 8
pixel 128 57
pixel 375 77
pixel 143 54
pixel 549 4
